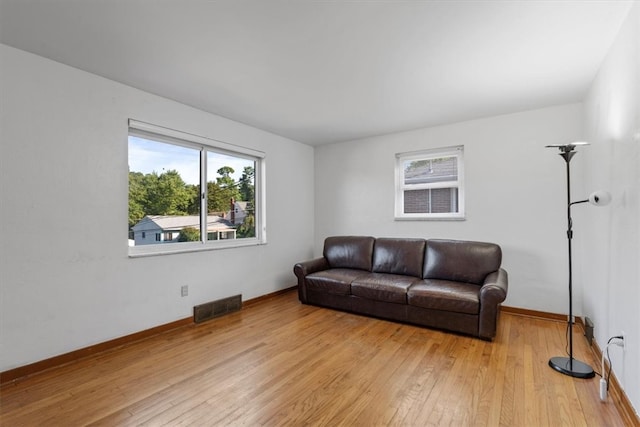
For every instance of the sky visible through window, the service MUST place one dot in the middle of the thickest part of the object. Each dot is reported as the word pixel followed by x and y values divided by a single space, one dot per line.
pixel 148 156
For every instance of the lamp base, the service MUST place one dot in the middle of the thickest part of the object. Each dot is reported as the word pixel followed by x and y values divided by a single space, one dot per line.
pixel 572 367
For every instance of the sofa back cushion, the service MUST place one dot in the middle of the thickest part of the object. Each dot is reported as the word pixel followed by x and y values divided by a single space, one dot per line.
pixel 399 256
pixel 349 252
pixel 461 261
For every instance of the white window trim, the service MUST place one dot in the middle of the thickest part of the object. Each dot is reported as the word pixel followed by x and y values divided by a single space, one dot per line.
pixel 172 136
pixel 176 137
pixel 400 187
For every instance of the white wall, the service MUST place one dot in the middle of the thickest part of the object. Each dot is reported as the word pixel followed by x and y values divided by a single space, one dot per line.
pixel 612 246
pixel 515 194
pixel 64 174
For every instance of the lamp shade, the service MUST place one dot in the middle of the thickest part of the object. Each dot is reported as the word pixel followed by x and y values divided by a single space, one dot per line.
pixel 600 198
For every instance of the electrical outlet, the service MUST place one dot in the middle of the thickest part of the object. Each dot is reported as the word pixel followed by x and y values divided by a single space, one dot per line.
pixel 184 290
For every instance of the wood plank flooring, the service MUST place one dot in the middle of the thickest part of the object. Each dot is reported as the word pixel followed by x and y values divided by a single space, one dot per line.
pixel 278 362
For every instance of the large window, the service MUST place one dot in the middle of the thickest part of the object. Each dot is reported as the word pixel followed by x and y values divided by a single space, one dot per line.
pixel 430 184
pixel 188 192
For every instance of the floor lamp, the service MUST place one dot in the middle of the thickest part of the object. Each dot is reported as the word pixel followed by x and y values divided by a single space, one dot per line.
pixel 569 365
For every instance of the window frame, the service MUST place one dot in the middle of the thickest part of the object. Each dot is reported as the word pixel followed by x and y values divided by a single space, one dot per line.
pixel 205 145
pixel 429 154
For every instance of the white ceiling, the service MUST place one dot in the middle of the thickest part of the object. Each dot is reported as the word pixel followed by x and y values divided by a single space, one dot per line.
pixel 329 71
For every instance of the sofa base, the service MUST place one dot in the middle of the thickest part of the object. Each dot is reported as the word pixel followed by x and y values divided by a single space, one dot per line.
pixel 462 323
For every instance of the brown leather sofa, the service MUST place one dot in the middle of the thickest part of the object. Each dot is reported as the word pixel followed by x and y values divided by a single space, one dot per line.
pixel 446 284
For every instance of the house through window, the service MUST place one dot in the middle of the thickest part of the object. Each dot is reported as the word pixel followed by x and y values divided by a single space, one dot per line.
pixel 430 184
pixel 186 190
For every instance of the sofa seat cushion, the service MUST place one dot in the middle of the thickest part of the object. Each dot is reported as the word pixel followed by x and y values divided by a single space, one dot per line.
pixel 383 287
pixel 445 295
pixel 335 281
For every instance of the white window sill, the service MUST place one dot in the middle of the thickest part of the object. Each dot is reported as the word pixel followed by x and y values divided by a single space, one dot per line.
pixel 430 218
pixel 181 248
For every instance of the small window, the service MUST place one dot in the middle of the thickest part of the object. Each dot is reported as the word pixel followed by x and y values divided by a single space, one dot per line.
pixel 182 187
pixel 430 184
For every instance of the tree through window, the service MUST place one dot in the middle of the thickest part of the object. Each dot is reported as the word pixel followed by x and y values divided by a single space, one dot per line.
pixel 166 203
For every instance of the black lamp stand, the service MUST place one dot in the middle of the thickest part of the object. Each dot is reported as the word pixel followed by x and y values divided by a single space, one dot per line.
pixel 569 365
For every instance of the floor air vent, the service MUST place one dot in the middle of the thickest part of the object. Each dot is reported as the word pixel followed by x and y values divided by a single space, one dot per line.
pixel 217 308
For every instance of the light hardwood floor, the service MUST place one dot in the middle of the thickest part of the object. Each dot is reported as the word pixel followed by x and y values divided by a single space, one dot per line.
pixel 278 362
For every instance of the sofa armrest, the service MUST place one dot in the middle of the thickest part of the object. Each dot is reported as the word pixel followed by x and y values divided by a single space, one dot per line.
pixel 492 293
pixel 303 269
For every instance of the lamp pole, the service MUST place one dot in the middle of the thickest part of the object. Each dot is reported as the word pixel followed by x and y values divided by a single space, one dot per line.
pixel 569 365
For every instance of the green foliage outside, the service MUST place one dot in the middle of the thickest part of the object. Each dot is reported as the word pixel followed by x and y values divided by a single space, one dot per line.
pixel 137 197
pixel 160 194
pixel 168 194
pixel 246 187
pixel 189 234
pixel 417 164
pixel 247 228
